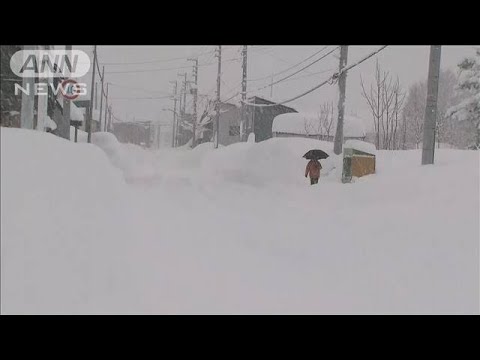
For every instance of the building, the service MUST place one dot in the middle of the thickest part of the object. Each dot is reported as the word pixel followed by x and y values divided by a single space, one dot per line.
pixel 259 121
pixel 83 108
pixel 137 133
pixel 10 104
pixel 311 126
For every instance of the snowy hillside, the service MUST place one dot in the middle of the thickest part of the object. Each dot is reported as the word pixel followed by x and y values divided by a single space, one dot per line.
pixel 109 228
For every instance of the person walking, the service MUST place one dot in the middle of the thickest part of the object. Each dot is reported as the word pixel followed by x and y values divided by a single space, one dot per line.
pixel 313 170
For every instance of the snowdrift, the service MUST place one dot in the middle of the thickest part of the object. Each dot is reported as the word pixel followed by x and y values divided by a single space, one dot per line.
pixel 276 161
pixel 233 230
pixel 65 230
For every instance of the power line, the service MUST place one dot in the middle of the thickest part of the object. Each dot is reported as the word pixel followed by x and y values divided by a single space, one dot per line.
pixel 140 89
pixel 331 79
pixel 167 69
pixel 309 75
pixel 295 73
pixel 140 98
pixel 156 61
pixel 291 67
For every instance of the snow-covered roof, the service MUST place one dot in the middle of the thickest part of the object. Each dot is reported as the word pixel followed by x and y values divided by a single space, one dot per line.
pixel 360 146
pixel 308 123
pixel 78 113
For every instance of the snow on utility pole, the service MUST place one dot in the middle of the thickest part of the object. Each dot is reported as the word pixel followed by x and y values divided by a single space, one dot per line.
pixel 90 110
pixel 195 92
pixel 217 116
pixel 26 112
pixel 243 115
pixel 101 100
pixel 174 127
pixel 342 84
pixel 429 125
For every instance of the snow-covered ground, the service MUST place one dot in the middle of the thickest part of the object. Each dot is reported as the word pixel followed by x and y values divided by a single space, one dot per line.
pixel 111 228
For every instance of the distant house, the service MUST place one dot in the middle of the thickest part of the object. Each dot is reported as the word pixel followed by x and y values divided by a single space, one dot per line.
pixel 310 126
pixel 83 108
pixel 137 133
pixel 228 125
pixel 258 120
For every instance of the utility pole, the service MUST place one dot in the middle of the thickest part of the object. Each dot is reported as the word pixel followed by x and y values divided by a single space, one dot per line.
pixel 243 116
pixel 342 84
pixel 174 127
pixel 217 116
pixel 42 104
pixel 63 127
pixel 109 127
pixel 101 100
pixel 428 152
pixel 106 109
pixel 195 93
pixel 26 112
pixel 96 95
pixel 90 112
pixel 182 106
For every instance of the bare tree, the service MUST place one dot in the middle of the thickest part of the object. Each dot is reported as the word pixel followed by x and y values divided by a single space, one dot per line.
pixel 308 127
pixel 414 112
pixel 325 120
pixel 385 99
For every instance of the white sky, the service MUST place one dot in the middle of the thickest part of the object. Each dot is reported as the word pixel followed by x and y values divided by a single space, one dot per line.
pixel 410 63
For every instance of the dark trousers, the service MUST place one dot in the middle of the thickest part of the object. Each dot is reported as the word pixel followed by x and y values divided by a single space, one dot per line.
pixel 313 181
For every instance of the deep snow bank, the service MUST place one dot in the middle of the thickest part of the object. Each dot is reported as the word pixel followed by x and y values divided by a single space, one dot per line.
pixel 233 230
pixel 65 230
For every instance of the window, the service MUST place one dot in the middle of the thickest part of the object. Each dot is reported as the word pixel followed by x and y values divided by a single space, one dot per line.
pixel 234 131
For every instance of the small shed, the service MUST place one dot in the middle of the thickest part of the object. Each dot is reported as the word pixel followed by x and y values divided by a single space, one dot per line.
pixel 359 159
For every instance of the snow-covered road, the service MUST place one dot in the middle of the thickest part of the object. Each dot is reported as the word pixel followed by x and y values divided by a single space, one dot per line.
pixel 236 230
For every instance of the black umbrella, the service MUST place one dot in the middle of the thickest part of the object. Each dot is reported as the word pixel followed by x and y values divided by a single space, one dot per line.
pixel 315 155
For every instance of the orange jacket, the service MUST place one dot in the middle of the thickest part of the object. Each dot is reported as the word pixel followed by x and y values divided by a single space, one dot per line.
pixel 313 168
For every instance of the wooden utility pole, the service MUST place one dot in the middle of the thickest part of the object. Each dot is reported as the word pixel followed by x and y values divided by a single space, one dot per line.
pixel 101 100
pixel 174 124
pixel 67 113
pixel 243 116
pixel 217 105
pixel 106 110
pixel 342 84
pixel 428 152
pixel 109 127
pixel 42 104
pixel 182 106
pixel 90 112
pixel 26 112
pixel 195 93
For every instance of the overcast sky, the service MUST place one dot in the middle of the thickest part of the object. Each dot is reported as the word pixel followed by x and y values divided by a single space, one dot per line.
pixel 137 72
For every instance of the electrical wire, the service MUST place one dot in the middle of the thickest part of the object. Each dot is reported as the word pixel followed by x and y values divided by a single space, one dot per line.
pixel 331 79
